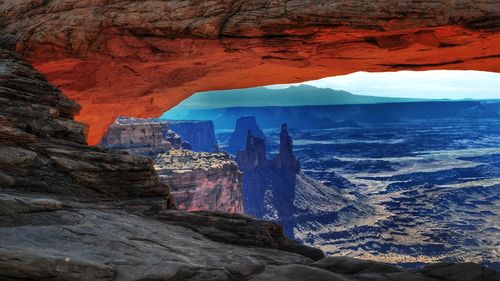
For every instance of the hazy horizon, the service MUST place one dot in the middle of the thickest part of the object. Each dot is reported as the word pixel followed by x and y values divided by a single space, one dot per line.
pixel 431 84
pixel 359 88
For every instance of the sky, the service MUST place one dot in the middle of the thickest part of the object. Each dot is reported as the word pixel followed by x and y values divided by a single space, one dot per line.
pixel 450 84
pixel 433 84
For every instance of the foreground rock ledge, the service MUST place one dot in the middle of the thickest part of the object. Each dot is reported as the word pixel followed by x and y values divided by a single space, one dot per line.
pixel 43 238
pixel 140 58
pixel 73 212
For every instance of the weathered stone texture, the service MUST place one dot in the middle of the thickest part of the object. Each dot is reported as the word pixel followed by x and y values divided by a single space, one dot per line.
pixel 139 58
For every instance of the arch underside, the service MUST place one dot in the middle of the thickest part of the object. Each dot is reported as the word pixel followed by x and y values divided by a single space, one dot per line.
pixel 160 54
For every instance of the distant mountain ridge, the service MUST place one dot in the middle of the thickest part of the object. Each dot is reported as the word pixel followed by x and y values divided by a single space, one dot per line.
pixel 300 95
pixel 349 115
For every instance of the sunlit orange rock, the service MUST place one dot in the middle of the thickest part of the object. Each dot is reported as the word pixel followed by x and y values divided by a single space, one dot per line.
pixel 140 58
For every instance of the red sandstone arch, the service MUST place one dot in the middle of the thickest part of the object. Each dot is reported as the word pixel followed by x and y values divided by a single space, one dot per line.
pixel 140 58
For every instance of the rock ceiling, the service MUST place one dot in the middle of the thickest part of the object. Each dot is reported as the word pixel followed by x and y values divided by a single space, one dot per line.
pixel 139 58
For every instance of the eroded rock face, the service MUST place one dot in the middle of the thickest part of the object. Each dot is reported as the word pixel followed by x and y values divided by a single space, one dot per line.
pixel 44 150
pixel 200 134
pixel 108 242
pixel 202 181
pixel 198 180
pixel 276 189
pixel 254 155
pixel 244 125
pixel 139 58
pixel 107 207
pixel 286 158
pixel 73 212
pixel 139 138
pixel 340 268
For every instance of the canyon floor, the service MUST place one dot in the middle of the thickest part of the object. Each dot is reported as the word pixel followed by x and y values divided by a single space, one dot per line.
pixel 69 211
pixel 68 69
pixel 435 185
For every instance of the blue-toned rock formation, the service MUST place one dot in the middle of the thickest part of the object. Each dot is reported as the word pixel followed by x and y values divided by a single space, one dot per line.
pixel 276 189
pixel 73 212
pixel 286 160
pixel 239 137
pixel 199 134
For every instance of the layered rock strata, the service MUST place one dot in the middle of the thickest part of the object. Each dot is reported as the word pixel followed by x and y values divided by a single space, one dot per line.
pixel 44 150
pixel 73 212
pixel 140 138
pixel 200 134
pixel 139 58
pixel 238 138
pixel 202 181
pixel 198 180
pixel 276 189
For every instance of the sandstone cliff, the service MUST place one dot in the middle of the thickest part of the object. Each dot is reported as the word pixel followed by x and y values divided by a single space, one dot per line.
pixel 139 58
pixel 73 212
pixel 202 181
pixel 140 137
pixel 199 134
pixel 238 138
pixel 44 150
pixel 276 189
pixel 198 180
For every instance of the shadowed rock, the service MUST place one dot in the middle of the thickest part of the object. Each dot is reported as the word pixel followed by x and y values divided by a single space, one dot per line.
pixel 278 190
pixel 44 150
pixel 351 265
pixel 244 126
pixel 74 212
pixel 29 265
pixel 461 272
pixel 286 158
pixel 199 134
pixel 139 58
pixel 240 230
pixel 254 155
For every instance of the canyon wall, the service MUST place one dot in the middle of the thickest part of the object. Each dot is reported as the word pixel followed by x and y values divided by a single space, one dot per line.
pixel 202 181
pixel 140 137
pixel 199 134
pixel 238 138
pixel 139 58
pixel 73 212
pixel 44 150
pixel 198 180
pixel 276 189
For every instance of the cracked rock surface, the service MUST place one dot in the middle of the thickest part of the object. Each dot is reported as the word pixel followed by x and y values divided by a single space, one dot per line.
pixel 140 58
pixel 73 212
